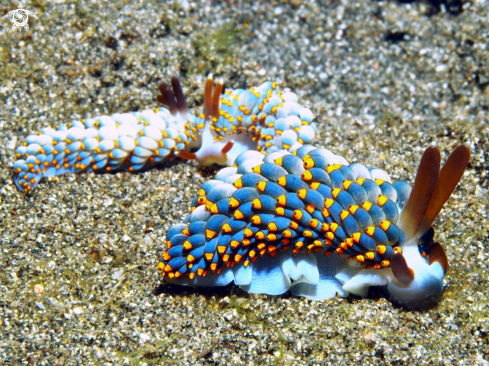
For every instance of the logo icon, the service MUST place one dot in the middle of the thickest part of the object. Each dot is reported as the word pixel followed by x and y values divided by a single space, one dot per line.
pixel 20 17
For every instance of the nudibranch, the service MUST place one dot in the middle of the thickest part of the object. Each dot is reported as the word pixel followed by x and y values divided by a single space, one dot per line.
pixel 284 215
pixel 302 219
pixel 312 224
pixel 264 119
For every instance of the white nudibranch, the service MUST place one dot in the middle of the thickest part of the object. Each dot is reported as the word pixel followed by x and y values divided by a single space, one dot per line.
pixel 284 215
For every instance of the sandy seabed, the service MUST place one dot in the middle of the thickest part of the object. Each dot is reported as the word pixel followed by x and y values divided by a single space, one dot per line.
pixel 78 278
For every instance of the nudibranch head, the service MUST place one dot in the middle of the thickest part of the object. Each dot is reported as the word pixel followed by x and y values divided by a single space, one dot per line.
pixel 311 223
pixel 420 272
pixel 417 267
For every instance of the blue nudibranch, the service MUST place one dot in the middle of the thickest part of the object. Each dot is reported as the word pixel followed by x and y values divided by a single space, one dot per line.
pixel 286 216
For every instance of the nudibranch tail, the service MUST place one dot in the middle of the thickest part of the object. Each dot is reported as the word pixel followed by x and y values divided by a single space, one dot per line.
pixel 128 141
pixel 313 224
pixel 263 118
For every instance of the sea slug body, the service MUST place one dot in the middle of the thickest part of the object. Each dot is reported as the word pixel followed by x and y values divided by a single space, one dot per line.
pixel 284 215
pixel 263 118
pixel 310 223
